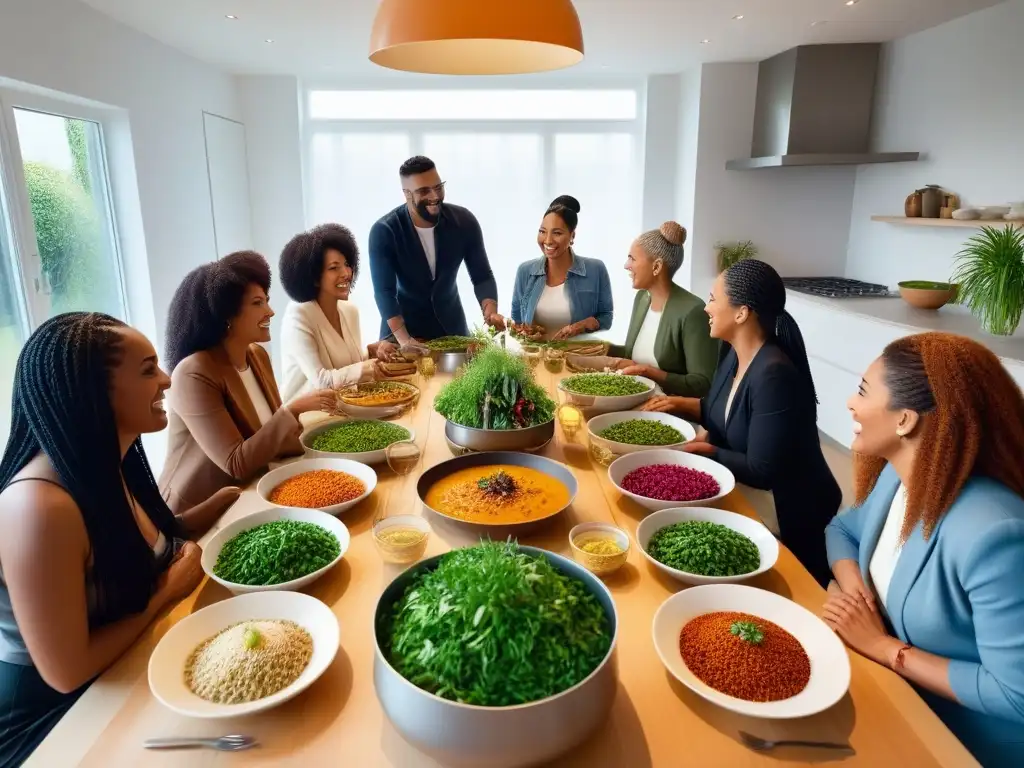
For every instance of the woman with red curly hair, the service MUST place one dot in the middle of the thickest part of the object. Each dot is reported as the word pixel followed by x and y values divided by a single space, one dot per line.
pixel 928 564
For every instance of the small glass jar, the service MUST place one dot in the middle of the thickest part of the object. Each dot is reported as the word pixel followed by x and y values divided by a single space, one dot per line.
pixel 532 355
pixel 554 360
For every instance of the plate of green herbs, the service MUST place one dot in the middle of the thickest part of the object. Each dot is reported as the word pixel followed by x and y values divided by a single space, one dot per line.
pixel 496 391
pixel 606 392
pixel 282 548
pixel 362 440
pixel 496 625
pixel 630 431
pixel 703 545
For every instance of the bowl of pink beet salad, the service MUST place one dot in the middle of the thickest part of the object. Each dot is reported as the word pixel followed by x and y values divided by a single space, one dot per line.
pixel 663 479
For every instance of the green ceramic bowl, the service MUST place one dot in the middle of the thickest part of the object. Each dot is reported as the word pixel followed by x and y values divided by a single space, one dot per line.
pixel 926 294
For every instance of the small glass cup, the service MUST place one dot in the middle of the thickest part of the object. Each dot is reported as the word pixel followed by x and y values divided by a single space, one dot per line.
pixel 403 456
pixel 554 360
pixel 426 367
pixel 570 418
pixel 531 353
pixel 401 539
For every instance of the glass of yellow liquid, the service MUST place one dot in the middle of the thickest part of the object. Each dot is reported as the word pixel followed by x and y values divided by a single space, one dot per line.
pixel 426 367
pixel 554 360
pixel 532 354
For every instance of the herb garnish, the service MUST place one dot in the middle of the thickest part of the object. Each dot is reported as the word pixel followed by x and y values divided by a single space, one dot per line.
pixel 500 484
pixel 748 632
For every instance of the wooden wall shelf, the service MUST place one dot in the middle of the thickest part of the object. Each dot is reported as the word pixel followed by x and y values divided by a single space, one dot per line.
pixel 920 222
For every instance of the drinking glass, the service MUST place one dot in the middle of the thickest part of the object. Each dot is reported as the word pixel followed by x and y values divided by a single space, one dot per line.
pixel 403 456
pixel 531 352
pixel 554 360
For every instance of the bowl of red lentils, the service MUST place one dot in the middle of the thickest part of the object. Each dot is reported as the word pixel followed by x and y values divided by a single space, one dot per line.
pixel 663 478
pixel 330 485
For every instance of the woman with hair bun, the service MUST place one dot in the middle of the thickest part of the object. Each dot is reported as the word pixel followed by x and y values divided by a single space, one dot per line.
pixel 760 417
pixel 668 339
pixel 928 563
pixel 561 292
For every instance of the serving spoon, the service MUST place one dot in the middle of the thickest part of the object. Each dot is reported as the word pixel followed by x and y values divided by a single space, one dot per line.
pixel 763 745
pixel 233 743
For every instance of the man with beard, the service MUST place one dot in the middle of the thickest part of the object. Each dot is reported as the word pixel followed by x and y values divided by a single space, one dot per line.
pixel 415 254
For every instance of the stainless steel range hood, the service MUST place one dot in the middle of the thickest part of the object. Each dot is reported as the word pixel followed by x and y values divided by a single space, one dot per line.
pixel 814 107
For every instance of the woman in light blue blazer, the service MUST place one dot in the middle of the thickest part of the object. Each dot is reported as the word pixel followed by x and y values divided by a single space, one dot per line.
pixel 565 293
pixel 929 564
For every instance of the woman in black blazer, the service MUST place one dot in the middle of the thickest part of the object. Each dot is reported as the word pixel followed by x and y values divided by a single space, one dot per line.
pixel 760 417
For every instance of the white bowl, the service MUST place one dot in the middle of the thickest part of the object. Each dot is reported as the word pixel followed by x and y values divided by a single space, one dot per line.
pixel 275 477
pixel 623 465
pixel 767 544
pixel 830 664
pixel 332 524
pixel 365 457
pixel 599 423
pixel 602 404
pixel 167 663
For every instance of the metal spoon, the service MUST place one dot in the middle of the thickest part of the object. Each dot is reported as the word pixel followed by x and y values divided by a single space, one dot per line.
pixel 224 743
pixel 763 745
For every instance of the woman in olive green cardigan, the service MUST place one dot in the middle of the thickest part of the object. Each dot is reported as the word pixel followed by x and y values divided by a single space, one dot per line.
pixel 669 339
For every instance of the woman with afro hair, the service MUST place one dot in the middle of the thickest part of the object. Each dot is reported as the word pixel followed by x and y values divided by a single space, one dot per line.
pixel 928 564
pixel 321 341
pixel 227 420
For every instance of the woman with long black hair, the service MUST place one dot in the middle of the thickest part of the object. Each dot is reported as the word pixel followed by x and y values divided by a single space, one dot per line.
pixel 89 551
pixel 759 418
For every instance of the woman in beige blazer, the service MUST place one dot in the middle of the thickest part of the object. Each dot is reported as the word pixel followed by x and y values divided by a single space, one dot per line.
pixel 227 421
pixel 321 341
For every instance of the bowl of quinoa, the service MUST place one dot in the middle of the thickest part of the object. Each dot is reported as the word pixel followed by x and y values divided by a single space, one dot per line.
pixel 663 478
pixel 243 655
pixel 330 485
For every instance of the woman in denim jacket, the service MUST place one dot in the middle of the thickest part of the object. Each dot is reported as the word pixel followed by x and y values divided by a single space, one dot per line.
pixel 564 293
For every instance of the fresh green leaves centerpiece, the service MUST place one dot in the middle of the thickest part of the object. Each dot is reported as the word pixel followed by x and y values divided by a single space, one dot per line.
pixel 495 626
pixel 495 391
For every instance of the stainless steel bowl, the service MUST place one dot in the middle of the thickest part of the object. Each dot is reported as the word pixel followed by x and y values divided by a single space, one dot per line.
pixel 449 362
pixel 457 734
pixel 527 439
pixel 498 531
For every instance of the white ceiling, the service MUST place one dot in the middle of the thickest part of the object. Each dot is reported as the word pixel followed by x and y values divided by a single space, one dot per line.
pixel 324 38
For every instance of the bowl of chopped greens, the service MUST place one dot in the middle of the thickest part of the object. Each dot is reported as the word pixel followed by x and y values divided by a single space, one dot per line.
pixel 632 431
pixel 275 549
pixel 494 404
pixel 362 440
pixel 702 545
pixel 606 392
pixel 496 655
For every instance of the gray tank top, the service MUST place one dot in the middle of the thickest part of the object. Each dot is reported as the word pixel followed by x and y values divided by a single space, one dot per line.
pixel 12 645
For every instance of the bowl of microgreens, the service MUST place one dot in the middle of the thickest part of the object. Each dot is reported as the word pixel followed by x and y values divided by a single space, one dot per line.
pixel 275 549
pixel 496 655
pixel 606 392
pixel 703 545
pixel 632 431
pixel 362 440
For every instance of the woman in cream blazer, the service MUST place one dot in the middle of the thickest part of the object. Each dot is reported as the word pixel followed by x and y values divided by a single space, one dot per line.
pixel 322 344
pixel 226 421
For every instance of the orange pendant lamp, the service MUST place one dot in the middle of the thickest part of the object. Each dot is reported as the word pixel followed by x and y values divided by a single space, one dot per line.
pixel 476 37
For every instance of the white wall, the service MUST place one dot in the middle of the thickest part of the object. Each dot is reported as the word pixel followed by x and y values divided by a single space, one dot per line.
pixel 271 112
pixel 688 122
pixel 798 217
pixel 68 47
pixel 661 145
pixel 942 92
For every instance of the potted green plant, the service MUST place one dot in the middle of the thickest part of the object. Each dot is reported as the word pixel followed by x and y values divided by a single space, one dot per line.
pixel 730 253
pixel 990 273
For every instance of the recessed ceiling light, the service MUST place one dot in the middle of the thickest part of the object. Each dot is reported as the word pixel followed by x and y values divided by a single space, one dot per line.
pixel 704 42
pixel 852 2
pixel 269 40
pixel 230 16
pixel 737 17
pixel 818 23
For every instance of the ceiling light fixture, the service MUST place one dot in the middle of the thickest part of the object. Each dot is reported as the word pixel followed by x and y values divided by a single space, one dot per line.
pixel 737 17
pixel 230 16
pixel 269 40
pixel 704 42
pixel 468 37
pixel 852 2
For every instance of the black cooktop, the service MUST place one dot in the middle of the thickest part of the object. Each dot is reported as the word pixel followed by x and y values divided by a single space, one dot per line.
pixel 835 287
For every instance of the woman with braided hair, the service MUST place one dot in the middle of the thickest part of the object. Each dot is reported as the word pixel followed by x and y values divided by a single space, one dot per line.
pixel 760 416
pixel 89 551
pixel 928 563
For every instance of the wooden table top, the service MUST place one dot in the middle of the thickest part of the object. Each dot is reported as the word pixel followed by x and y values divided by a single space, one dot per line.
pixel 656 721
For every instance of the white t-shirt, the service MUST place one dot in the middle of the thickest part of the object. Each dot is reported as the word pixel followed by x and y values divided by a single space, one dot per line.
pixel 643 347
pixel 429 249
pixel 259 400
pixel 887 551
pixel 552 309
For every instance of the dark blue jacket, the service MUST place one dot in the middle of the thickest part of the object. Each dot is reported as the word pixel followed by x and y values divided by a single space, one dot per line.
pixel 402 284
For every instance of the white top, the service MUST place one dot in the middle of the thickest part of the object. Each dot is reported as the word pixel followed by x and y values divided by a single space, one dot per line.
pixel 643 347
pixel 315 356
pixel 429 249
pixel 552 309
pixel 887 551
pixel 259 400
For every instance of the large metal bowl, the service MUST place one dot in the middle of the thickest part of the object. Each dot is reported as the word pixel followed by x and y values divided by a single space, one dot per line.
pixel 498 531
pixel 458 735
pixel 527 439
pixel 449 362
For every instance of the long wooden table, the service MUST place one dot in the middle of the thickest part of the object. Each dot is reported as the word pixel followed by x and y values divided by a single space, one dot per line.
pixel 656 721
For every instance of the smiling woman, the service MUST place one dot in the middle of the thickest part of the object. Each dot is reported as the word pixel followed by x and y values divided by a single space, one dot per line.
pixel 227 421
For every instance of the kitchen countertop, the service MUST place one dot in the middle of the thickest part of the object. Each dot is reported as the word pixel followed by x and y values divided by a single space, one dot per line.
pixel 950 319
